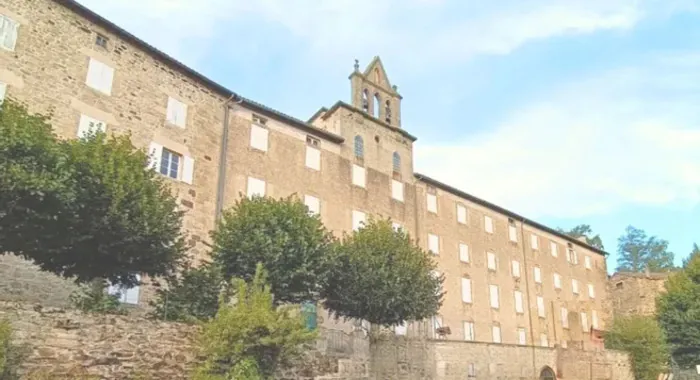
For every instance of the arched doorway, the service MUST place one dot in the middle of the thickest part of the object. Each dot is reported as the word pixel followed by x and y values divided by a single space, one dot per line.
pixel 547 374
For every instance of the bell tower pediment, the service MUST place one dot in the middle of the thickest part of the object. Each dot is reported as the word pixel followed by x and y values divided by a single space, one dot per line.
pixel 373 93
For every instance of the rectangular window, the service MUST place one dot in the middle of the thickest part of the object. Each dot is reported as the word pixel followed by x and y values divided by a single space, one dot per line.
pixel 587 262
pixel 522 336
pixel 544 342
pixel 591 291
pixel 469 331
pixel 100 76
pixel 101 40
pixel 8 33
pixel 540 307
pixel 572 256
pixel 491 261
pixel 574 286
pixel 396 226
pixel 564 318
pixel 3 92
pixel 496 334
pixel 553 248
pixel 538 275
pixel 431 203
pixel 488 224
pixel 313 158
pixel 471 371
pixel 584 322
pixel 170 163
pixel 437 323
pixel 401 329
pixel 358 220
pixel 557 281
pixel 88 125
pixel 256 187
pixel 433 244
pixel 594 319
pixel 466 290
pixel 518 302
pixel 176 114
pixel 397 190
pixel 534 241
pixel 126 295
pixel 313 203
pixel 461 214
pixel 358 176
pixel 259 137
pixel 515 268
pixel 463 253
pixel 493 293
pixel 512 231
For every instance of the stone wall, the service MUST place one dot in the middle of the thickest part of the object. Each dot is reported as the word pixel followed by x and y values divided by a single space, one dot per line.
pixel 60 342
pixel 635 293
pixel 20 280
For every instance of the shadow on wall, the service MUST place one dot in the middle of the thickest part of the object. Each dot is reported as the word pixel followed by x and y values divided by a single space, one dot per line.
pixel 20 280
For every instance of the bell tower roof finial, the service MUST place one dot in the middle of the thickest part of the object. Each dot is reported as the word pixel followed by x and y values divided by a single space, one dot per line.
pixel 357 65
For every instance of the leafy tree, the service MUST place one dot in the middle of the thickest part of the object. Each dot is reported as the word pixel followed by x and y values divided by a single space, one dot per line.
pixel 678 311
pixel 86 208
pixel 584 230
pixel 636 252
pixel 695 252
pixel 379 275
pixel 251 339
pixel 280 233
pixel 192 295
pixel 644 340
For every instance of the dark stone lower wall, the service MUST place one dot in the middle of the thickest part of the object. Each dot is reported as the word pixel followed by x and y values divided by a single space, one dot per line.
pixel 20 280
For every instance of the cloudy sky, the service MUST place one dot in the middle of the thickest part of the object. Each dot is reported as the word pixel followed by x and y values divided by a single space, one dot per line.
pixel 566 111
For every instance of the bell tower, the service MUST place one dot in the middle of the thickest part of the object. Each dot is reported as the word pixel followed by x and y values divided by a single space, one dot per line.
pixel 373 93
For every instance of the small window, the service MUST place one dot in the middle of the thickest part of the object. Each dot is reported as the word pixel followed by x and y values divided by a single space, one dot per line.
pixel 101 40
pixel 469 331
pixel 256 187
pixel 358 176
pixel 544 342
pixel 313 203
pixel 574 286
pixel 434 244
pixel 491 261
pixel 359 147
pixel 591 291
pixel 8 33
pixel 587 262
pixel 397 190
pixel 471 371
pixel 312 141
pixel 387 111
pixel 313 158
pixel 554 248
pixel 518 301
pixel 461 214
pixel 359 219
pixel 257 119
pixel 584 322
pixel 496 334
pixel 431 200
pixel 594 319
pixel 463 253
pixel 365 100
pixel 540 307
pixel 396 162
pixel 170 163
pixel 515 268
pixel 396 226
pixel 488 224
pixel 493 296
pixel 538 275
pixel 512 231
pixel 522 336
pixel 401 329
pixel 557 281
pixel 176 114
pixel 534 242
pixel 466 290
pixel 88 126
pixel 564 318
pixel 126 295
pixel 100 76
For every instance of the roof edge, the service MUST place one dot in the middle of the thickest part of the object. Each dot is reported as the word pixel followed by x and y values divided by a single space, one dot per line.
pixel 507 212
pixel 367 116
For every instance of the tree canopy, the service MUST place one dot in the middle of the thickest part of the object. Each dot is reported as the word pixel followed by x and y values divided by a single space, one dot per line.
pixel 85 208
pixel 379 275
pixel 637 251
pixel 644 340
pixel 584 230
pixel 280 233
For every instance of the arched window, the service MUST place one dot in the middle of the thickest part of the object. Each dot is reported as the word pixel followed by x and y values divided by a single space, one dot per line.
pixel 377 104
pixel 547 374
pixel 396 162
pixel 359 147
pixel 365 100
pixel 387 111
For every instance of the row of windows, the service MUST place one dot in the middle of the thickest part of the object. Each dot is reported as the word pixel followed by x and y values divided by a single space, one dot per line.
pixel 359 149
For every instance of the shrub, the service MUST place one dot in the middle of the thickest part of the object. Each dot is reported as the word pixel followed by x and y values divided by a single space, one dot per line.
pixel 5 341
pixel 95 299
pixel 644 340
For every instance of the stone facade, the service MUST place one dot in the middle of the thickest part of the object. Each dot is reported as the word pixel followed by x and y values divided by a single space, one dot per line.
pixel 230 146
pixel 636 293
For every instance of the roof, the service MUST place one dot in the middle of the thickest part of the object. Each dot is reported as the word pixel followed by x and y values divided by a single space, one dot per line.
pixel 649 276
pixel 367 116
pixel 223 91
pixel 506 212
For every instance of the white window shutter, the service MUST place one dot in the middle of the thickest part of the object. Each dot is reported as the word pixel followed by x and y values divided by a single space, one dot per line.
pixel 176 112
pixel 397 190
pixel 540 307
pixel 496 334
pixel 515 268
pixel 400 329
pixel 3 91
pixel 564 318
pixel 534 241
pixel 594 319
pixel 188 169
pixel 434 243
pixel 107 79
pixel 431 203
pixel 8 33
pixel 358 176
pixel 553 248
pixel 256 187
pixel 591 291
pixel 538 275
pixel 557 281
pixel 488 224
pixel 522 336
pixel 543 340
pixel 466 290
pixel 88 124
pixel 313 158
pixel 94 73
pixel 313 203
pixel 463 253
pixel 396 226
pixel 358 219
pixel 491 260
pixel 518 301
pixel 468 331
pixel 259 137
pixel 461 214
pixel 493 293
pixel 584 322
pixel 155 152
pixel 512 233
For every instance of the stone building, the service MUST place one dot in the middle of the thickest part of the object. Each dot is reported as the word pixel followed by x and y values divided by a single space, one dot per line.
pixel 509 279
pixel 636 293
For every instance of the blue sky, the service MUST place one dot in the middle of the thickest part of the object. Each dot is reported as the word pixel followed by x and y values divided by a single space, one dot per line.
pixel 566 111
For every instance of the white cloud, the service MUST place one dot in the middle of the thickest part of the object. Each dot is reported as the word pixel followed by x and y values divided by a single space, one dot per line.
pixel 628 136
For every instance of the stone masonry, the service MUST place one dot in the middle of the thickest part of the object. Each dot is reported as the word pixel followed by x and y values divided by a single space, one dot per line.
pixel 636 293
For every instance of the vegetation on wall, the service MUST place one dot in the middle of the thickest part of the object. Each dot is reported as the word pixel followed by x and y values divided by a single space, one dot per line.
pixel 643 339
pixel 84 208
pixel 250 338
pixel 379 275
pixel 584 230
pixel 5 336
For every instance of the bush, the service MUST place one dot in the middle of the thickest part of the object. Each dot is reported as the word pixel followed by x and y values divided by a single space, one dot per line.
pixel 251 338
pixel 644 340
pixel 5 341
pixel 94 299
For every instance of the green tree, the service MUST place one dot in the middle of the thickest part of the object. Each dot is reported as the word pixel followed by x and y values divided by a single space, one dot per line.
pixel 695 252
pixel 644 340
pixel 251 338
pixel 280 233
pixel 584 230
pixel 379 275
pixel 637 251
pixel 85 208
pixel 678 311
